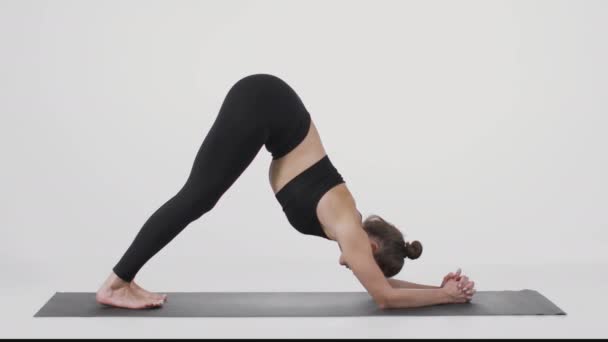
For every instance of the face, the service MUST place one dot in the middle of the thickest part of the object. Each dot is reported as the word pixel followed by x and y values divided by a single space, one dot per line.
pixel 343 262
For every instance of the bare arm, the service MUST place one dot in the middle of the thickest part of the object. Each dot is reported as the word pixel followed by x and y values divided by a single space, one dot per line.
pixel 409 298
pixel 402 284
pixel 357 252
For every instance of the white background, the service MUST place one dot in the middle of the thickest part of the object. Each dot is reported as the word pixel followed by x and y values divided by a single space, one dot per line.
pixel 476 127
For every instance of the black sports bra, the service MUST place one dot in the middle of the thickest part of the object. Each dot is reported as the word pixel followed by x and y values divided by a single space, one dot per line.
pixel 299 197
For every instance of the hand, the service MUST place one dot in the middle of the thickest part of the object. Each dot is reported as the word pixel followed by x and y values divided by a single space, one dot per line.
pixel 451 275
pixel 467 287
pixel 458 292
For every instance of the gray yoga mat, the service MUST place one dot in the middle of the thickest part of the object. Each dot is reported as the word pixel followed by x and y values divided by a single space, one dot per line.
pixel 297 304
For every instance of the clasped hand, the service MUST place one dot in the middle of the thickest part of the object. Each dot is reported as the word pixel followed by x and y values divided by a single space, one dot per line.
pixel 458 287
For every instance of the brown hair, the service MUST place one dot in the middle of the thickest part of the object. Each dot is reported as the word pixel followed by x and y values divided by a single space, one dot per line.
pixel 392 248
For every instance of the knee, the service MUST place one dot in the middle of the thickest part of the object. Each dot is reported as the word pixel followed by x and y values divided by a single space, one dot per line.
pixel 201 206
pixel 193 201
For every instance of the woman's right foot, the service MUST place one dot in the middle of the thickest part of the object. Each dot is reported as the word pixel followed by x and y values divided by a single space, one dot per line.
pixel 146 293
pixel 119 293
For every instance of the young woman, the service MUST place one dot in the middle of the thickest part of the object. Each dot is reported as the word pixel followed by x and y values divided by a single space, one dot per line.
pixel 263 110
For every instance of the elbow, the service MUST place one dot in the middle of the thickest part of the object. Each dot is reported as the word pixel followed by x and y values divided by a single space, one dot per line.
pixel 382 305
pixel 383 301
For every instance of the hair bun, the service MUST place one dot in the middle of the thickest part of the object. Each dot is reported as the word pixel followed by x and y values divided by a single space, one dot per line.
pixel 412 250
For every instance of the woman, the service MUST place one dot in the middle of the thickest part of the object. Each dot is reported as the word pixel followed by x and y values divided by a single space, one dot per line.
pixel 262 110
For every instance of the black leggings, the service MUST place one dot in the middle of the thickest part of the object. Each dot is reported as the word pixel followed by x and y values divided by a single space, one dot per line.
pixel 258 110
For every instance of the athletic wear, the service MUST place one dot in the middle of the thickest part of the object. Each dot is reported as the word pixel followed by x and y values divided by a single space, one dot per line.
pixel 299 197
pixel 258 110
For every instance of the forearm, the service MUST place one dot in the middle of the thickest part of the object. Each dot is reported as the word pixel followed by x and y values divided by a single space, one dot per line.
pixel 410 298
pixel 402 284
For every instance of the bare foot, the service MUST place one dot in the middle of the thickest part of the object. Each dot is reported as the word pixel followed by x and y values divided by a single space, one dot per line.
pixel 119 293
pixel 146 293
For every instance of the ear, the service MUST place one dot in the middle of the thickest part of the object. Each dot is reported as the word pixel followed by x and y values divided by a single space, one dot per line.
pixel 374 245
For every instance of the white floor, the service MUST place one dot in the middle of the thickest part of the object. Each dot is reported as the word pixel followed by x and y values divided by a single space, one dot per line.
pixel 580 290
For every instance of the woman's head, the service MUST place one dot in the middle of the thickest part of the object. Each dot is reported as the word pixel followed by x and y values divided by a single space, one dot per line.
pixel 391 249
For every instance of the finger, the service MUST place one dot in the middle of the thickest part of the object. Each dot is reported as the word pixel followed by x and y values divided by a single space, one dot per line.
pixel 469 285
pixel 464 288
pixel 463 281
